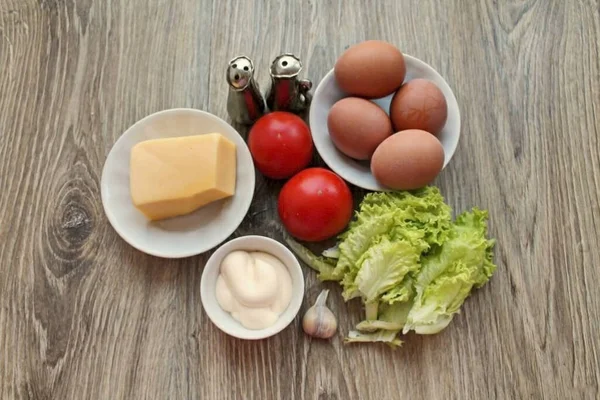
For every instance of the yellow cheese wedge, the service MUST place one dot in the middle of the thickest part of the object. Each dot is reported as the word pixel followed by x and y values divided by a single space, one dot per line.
pixel 175 176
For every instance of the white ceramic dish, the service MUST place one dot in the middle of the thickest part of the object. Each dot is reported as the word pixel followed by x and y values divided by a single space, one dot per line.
pixel 186 235
pixel 222 319
pixel 359 173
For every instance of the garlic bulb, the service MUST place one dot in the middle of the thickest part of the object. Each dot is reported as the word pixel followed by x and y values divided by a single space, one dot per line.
pixel 319 321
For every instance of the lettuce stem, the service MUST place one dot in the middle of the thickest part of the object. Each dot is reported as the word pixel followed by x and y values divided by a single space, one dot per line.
pixel 371 310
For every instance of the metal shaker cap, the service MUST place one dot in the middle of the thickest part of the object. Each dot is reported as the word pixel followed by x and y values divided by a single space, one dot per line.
pixel 240 72
pixel 286 66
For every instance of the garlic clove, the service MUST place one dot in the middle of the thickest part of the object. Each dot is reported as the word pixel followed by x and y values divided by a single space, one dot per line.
pixel 318 320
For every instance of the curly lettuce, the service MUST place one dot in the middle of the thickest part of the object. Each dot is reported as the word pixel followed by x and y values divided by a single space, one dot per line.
pixel 409 263
pixel 448 275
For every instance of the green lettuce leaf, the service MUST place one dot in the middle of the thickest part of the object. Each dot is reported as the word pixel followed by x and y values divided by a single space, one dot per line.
pixel 384 267
pixel 421 215
pixel 448 274
pixel 358 241
pixel 320 264
pixel 388 337
pixel 473 225
pixel 392 318
pixel 401 293
pixel 420 218
pixel 332 252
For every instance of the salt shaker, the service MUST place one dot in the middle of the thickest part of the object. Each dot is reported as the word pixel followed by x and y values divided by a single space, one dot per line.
pixel 287 92
pixel 245 103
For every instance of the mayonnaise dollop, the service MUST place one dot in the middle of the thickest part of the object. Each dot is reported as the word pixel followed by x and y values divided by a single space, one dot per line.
pixel 255 287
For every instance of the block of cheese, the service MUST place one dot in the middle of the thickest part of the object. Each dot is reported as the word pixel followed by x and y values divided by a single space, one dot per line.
pixel 175 176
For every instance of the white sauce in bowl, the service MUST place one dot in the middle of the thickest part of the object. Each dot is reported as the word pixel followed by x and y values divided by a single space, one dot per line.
pixel 254 287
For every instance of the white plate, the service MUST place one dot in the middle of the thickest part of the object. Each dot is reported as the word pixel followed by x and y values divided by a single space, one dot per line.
pixel 359 173
pixel 186 235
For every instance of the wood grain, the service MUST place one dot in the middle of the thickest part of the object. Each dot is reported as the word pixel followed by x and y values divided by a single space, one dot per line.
pixel 85 316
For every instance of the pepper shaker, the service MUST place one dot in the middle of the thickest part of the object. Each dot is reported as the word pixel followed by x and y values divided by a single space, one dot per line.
pixel 245 103
pixel 287 92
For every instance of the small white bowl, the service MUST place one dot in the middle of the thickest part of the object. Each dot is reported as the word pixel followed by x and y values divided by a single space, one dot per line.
pixel 359 173
pixel 186 235
pixel 221 318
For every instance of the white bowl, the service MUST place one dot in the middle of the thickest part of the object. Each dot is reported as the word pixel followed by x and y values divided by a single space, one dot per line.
pixel 185 235
pixel 359 173
pixel 221 318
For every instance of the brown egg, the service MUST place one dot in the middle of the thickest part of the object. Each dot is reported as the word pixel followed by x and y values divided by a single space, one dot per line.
pixel 357 126
pixel 408 160
pixel 419 104
pixel 370 69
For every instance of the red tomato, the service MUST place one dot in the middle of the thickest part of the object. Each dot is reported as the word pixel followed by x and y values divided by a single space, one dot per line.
pixel 281 144
pixel 315 205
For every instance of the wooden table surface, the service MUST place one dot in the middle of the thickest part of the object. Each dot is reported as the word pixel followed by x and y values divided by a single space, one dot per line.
pixel 85 316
